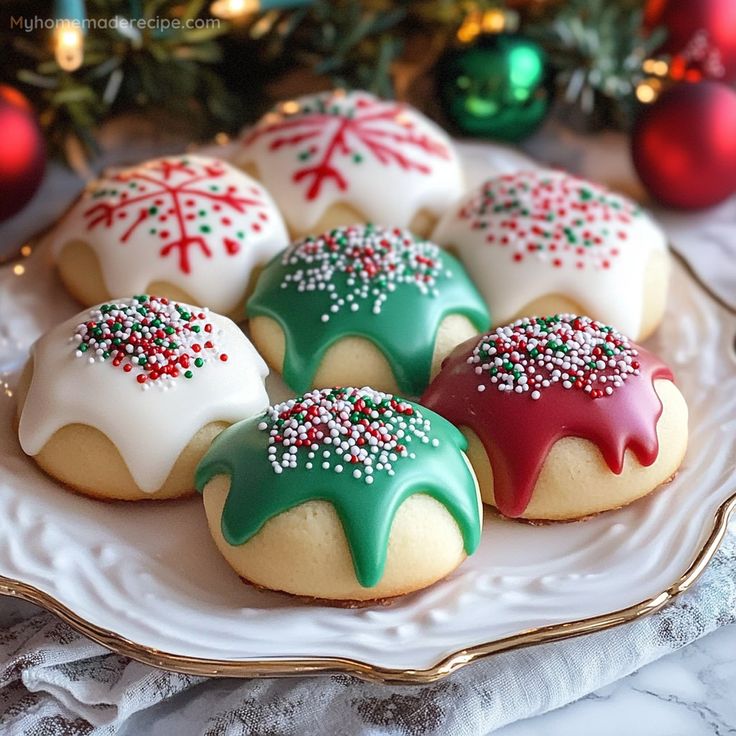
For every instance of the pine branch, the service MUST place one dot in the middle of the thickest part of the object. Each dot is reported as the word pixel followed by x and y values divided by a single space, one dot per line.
pixel 353 43
pixel 597 48
pixel 123 68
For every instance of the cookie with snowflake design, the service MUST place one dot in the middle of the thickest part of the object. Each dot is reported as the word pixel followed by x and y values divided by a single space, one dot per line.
pixel 338 157
pixel 192 228
pixel 565 416
pixel 544 241
pixel 122 400
pixel 363 305
pixel 348 495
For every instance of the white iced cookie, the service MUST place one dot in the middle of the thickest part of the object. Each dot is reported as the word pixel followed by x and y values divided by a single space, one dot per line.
pixel 187 227
pixel 338 158
pixel 122 400
pixel 541 242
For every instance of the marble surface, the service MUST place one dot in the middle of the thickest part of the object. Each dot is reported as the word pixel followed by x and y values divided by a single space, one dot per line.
pixel 689 693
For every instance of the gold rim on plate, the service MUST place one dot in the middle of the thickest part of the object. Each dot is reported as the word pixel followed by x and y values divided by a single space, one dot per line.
pixel 284 667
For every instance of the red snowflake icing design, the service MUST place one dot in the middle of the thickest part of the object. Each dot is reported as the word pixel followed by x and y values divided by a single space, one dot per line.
pixel 348 125
pixel 183 200
pixel 560 218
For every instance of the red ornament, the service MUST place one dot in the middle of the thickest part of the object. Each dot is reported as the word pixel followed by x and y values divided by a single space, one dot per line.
pixel 701 37
pixel 684 145
pixel 22 152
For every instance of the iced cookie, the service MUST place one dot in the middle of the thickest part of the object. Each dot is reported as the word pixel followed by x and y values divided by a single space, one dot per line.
pixel 186 227
pixel 565 417
pixel 542 242
pixel 346 495
pixel 363 305
pixel 122 400
pixel 336 158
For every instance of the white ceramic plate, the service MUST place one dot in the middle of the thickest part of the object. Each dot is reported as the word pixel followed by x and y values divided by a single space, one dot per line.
pixel 146 579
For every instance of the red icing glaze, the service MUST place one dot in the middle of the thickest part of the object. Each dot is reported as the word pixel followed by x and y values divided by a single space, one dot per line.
pixel 518 432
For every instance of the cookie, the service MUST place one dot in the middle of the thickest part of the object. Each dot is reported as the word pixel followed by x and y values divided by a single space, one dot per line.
pixel 343 495
pixel 123 400
pixel 565 416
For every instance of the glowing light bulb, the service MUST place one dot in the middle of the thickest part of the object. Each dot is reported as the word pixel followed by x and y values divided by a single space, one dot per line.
pixel 492 20
pixel 647 91
pixel 290 107
pixel 69 46
pixel 658 67
pixel 469 29
pixel 230 9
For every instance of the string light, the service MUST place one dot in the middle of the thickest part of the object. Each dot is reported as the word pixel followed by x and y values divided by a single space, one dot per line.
pixel 290 107
pixel 69 34
pixel 648 90
pixel 493 20
pixel 233 9
pixel 240 9
pixel 68 47
pixel 656 67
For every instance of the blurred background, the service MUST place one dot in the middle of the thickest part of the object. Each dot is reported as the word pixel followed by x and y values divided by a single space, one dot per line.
pixel 83 77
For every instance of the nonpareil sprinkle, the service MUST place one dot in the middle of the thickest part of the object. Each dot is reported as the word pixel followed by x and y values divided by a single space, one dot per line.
pixel 533 354
pixel 354 431
pixel 372 261
pixel 150 337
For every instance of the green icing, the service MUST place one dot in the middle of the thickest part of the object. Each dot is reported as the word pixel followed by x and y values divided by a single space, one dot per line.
pixel 381 284
pixel 413 450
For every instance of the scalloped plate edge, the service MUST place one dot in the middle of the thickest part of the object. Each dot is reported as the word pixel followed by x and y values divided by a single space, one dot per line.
pixel 304 666
pixel 336 665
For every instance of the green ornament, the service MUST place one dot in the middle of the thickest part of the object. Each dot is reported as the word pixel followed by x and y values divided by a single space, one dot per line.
pixel 498 87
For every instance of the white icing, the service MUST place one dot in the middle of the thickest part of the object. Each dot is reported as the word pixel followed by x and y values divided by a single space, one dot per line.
pixel 407 163
pixel 149 424
pixel 185 204
pixel 613 293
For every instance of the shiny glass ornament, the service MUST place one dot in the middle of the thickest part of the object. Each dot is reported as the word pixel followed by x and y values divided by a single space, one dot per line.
pixel 498 87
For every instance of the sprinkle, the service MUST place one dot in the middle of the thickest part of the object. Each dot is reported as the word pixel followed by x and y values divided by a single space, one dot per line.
pixel 369 431
pixel 556 218
pixel 372 261
pixel 177 189
pixel 151 337
pixel 533 354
